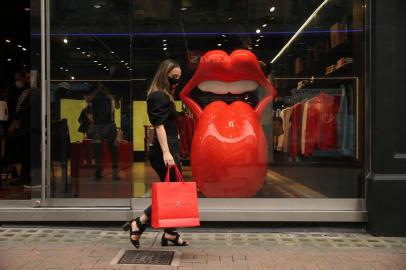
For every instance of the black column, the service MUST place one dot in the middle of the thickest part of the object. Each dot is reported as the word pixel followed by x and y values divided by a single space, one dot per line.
pixel 386 143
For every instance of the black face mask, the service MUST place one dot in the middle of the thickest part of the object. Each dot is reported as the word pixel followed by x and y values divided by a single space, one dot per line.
pixel 173 82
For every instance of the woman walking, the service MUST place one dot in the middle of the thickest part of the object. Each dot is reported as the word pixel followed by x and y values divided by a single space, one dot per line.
pixel 164 151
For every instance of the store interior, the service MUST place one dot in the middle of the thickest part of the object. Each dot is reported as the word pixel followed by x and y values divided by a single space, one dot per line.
pixel 311 51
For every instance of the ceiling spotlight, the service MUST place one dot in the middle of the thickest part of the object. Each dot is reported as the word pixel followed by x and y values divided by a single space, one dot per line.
pixel 99 4
pixel 165 49
pixel 223 35
pixel 112 52
pixel 19 46
pixel 165 44
pixel 88 55
pixel 99 64
pixel 9 60
pixel 27 9
pixel 24 49
pixel 65 40
pixel 95 61
pixel 258 40
pixel 83 52
pixel 78 48
pixel 8 41
pixel 272 9
pixel 256 45
pixel 61 68
pixel 164 40
pixel 126 64
pixel 230 18
pixel 249 48
pixel 264 25
pixel 122 61
pixel 72 77
pixel 105 67
pixel 219 44
pixel 258 31
pixel 66 70
pixel 184 9
pixel 261 36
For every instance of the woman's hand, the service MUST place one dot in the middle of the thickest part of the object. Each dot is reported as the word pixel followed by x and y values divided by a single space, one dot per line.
pixel 168 159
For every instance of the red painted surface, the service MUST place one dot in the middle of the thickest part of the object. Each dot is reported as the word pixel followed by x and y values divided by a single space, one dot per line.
pixel 229 149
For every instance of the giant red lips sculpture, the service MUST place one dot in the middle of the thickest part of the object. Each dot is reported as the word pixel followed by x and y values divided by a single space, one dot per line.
pixel 229 149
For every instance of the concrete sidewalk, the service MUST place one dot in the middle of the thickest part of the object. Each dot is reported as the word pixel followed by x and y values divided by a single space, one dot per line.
pixel 26 248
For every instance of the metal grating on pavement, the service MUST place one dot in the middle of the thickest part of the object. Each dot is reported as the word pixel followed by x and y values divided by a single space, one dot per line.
pixel 150 257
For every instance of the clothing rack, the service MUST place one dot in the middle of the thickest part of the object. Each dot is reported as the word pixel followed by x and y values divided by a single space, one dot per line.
pixel 301 94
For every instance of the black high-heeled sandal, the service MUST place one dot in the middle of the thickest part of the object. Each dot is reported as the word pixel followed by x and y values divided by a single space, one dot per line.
pixel 141 228
pixel 164 241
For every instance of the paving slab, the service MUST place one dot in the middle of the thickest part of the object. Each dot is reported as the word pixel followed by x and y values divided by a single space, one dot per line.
pixel 25 248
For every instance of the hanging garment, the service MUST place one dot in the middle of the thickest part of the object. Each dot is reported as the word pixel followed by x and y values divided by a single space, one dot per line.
pixel 283 140
pixel 3 111
pixel 342 123
pixel 295 130
pixel 321 126
pixel 303 128
pixel 277 129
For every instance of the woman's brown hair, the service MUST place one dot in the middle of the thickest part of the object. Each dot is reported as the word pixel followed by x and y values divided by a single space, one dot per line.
pixel 160 81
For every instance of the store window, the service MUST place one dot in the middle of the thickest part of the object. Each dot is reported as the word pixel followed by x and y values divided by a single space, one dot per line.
pixel 90 99
pixel 311 52
pixel 20 106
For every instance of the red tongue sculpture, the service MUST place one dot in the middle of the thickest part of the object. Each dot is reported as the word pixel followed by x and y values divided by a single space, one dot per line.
pixel 229 150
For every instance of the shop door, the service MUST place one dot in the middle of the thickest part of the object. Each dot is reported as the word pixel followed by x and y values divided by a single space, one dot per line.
pixel 89 107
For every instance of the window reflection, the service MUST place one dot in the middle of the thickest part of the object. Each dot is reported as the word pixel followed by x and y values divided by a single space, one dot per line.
pixel 312 128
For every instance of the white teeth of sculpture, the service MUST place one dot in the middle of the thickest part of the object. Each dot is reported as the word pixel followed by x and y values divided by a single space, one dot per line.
pixel 219 87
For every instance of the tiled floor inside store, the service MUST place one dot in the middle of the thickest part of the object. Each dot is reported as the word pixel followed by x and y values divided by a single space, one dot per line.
pixel 136 182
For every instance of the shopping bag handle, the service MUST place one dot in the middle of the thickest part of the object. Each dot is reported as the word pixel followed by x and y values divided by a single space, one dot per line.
pixel 179 176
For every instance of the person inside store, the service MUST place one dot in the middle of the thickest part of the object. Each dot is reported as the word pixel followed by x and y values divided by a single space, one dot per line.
pixel 20 84
pixel 164 151
pixel 103 127
pixel 86 117
pixel 24 130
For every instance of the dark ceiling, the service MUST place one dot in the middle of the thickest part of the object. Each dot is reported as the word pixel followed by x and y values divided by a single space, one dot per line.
pixel 124 39
pixel 14 38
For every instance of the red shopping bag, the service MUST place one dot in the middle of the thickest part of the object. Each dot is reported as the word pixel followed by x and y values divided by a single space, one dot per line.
pixel 174 204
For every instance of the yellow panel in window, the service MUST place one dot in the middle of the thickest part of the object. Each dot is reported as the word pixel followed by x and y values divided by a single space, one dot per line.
pixel 139 189
pixel 70 110
pixel 140 118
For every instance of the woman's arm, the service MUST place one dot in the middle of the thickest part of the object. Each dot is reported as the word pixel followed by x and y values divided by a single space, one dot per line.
pixel 163 142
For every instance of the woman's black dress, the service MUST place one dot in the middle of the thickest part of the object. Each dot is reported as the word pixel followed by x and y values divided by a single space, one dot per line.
pixel 162 111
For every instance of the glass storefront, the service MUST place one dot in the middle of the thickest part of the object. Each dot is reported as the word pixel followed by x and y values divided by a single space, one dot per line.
pixel 309 140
